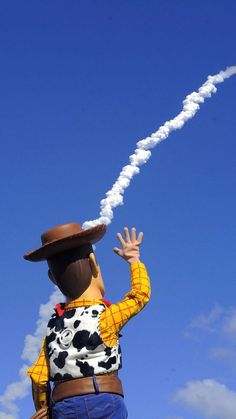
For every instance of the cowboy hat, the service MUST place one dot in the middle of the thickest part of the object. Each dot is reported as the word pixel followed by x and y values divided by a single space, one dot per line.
pixel 65 237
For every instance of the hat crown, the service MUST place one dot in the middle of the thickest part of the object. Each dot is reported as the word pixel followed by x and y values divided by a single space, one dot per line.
pixel 60 232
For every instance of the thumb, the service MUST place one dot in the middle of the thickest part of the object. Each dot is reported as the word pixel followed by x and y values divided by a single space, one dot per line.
pixel 117 251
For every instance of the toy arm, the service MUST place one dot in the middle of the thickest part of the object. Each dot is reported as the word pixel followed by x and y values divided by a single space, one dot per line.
pixel 139 294
pixel 117 315
pixel 39 374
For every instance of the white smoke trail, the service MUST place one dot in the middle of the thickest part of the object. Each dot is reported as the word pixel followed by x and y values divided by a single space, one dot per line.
pixel 142 153
pixel 20 389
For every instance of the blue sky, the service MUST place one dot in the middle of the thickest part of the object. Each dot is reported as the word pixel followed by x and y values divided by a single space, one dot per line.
pixel 81 83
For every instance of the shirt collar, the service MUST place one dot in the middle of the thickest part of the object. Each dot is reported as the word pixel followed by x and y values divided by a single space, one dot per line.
pixel 80 303
pixel 61 307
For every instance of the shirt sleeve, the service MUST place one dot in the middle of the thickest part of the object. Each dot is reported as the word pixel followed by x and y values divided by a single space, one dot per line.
pixel 117 315
pixel 39 374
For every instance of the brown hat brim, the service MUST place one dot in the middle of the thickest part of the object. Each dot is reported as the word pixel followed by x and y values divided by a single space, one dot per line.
pixel 90 235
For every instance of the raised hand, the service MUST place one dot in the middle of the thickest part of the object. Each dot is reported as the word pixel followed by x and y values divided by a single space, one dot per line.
pixel 130 245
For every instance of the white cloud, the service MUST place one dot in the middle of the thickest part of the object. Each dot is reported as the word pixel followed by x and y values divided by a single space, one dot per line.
pixel 33 342
pixel 229 324
pixel 220 325
pixel 218 321
pixel 209 398
pixel 6 416
pixel 13 391
pixel 228 355
pixel 209 322
pixel 20 389
pixel 174 417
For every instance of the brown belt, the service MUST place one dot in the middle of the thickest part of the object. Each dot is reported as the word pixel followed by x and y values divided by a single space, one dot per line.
pixel 96 384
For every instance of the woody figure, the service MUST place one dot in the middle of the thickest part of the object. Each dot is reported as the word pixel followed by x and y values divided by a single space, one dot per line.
pixel 80 355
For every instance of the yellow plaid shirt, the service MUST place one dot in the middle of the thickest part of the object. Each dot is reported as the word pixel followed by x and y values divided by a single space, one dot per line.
pixel 112 319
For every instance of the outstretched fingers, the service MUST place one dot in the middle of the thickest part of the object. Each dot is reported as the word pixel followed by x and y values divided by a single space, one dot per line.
pixel 133 234
pixel 140 237
pixel 130 243
pixel 134 238
pixel 127 236
pixel 120 238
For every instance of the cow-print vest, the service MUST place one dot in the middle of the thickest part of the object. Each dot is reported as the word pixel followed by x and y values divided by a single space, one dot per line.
pixel 75 348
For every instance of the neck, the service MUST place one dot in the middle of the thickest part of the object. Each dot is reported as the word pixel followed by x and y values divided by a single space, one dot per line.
pixel 95 290
pixel 87 295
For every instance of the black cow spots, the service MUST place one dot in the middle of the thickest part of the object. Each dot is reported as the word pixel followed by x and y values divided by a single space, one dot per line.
pixel 77 323
pixel 108 351
pixel 56 323
pixel 59 326
pixel 49 339
pixel 85 311
pixel 68 314
pixel 83 339
pixel 107 364
pixel 52 322
pixel 60 360
pixel 85 369
pixel 80 339
pixel 75 347
pixel 94 341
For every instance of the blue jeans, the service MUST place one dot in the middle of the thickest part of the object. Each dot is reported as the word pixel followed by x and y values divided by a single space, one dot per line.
pixel 90 406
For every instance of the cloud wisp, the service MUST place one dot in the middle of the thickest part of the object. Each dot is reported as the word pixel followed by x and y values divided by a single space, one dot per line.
pixel 142 153
pixel 218 321
pixel 209 323
pixel 20 389
pixel 219 324
pixel 209 398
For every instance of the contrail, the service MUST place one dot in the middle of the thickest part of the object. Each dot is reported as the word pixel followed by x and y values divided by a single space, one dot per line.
pixel 142 153
pixel 114 197
pixel 20 389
